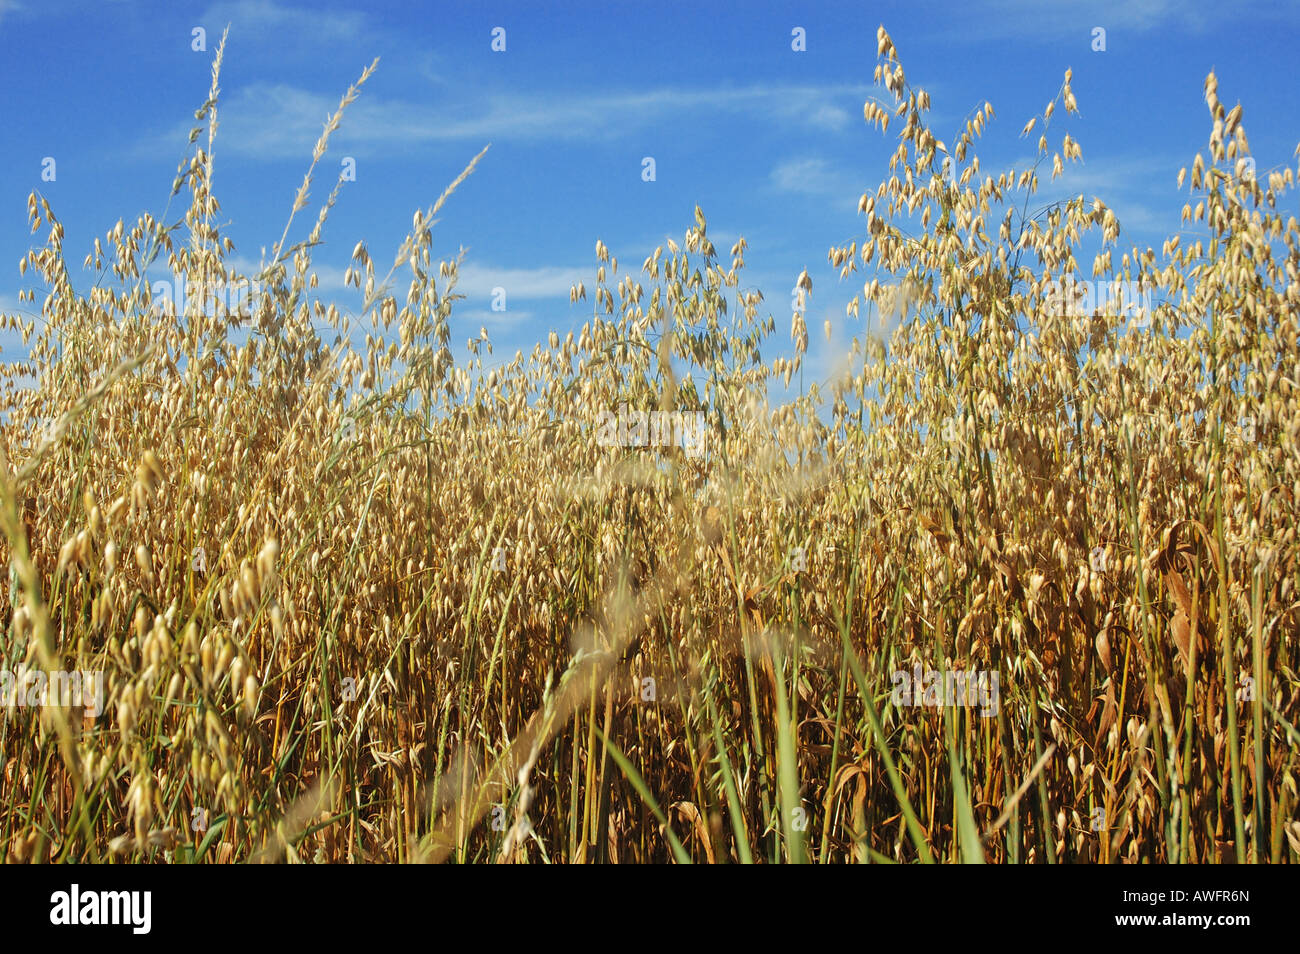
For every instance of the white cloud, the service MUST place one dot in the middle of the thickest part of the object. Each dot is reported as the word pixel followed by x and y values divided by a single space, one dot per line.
pixel 830 117
pixel 10 305
pixel 1000 18
pixel 477 281
pixel 1124 183
pixel 811 176
pixel 12 348
pixel 251 20
pixel 277 120
pixel 819 178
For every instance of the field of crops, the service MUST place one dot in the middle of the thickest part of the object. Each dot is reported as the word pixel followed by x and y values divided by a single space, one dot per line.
pixel 1018 584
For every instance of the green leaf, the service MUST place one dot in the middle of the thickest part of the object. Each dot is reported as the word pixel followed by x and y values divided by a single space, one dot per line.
pixel 633 776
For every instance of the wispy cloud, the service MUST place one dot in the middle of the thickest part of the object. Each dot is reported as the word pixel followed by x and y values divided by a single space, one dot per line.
pixel 477 281
pixel 277 120
pixel 11 342
pixel 10 305
pixel 1003 18
pixel 819 178
pixel 1125 183
pixel 812 176
pixel 273 22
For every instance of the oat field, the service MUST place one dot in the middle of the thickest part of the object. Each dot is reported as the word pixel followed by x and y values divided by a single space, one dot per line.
pixel 356 593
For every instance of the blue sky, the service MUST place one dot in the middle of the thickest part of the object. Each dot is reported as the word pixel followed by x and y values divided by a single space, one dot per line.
pixel 770 142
